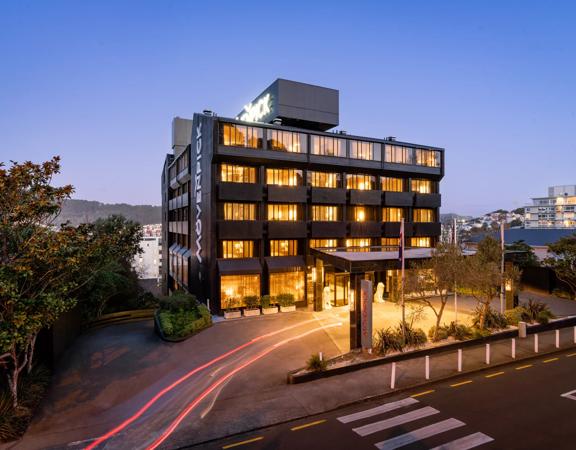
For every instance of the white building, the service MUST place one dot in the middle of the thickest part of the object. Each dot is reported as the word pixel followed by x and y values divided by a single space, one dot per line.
pixel 557 210
pixel 148 264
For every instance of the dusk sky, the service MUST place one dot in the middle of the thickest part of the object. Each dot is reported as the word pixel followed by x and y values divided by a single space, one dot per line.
pixel 98 83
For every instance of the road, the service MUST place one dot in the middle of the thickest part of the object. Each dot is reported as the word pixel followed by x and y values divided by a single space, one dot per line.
pixel 519 406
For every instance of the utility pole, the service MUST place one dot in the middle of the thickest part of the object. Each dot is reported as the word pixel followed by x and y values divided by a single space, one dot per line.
pixel 502 306
pixel 455 236
pixel 401 257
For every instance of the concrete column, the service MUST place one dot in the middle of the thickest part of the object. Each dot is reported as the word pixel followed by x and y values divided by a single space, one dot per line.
pixel 355 312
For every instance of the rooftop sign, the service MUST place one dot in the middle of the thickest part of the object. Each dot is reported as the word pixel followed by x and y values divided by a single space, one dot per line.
pixel 256 111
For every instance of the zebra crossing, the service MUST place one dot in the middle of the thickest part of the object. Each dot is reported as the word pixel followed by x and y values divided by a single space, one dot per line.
pixel 394 418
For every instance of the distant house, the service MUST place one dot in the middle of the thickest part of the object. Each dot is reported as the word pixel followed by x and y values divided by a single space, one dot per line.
pixel 538 239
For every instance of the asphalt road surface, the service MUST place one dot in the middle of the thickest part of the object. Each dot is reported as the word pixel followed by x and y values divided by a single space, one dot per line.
pixel 527 405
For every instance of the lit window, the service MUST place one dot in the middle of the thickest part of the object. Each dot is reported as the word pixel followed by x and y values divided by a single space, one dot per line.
pixel 391 184
pixel 231 173
pixel 325 213
pixel 359 244
pixel 284 177
pixel 328 146
pixel 421 186
pixel 424 215
pixel 282 212
pixel 239 211
pixel 361 182
pixel 425 242
pixel 240 136
pixel 362 213
pixel 287 141
pixel 323 243
pixel 399 154
pixel 324 179
pixel 429 158
pixel 392 214
pixel 284 247
pixel 237 249
pixel 233 289
pixel 390 242
pixel 365 150
pixel 291 282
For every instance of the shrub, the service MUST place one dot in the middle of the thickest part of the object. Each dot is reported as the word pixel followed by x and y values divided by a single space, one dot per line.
pixel 543 318
pixel 251 301
pixel 441 335
pixel 478 333
pixel 265 301
pixel 178 301
pixel 316 364
pixel 415 337
pixel 458 331
pixel 537 311
pixel 513 316
pixel 387 340
pixel 493 320
pixel 285 299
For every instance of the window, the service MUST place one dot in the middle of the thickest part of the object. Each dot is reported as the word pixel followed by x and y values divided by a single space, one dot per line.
pixel 325 213
pixel 284 247
pixel 359 244
pixel 282 212
pixel 391 184
pixel 420 242
pixel 231 173
pixel 361 182
pixel 392 214
pixel 424 215
pixel 365 150
pixel 287 141
pixel 240 136
pixel 291 282
pixel 399 154
pixel 233 289
pixel 390 242
pixel 362 213
pixel 429 158
pixel 239 211
pixel 422 186
pixel 237 249
pixel 324 179
pixel 328 146
pixel 284 177
pixel 323 243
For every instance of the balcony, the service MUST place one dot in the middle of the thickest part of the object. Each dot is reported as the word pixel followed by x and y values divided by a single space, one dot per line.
pixel 239 192
pixel 328 196
pixel 365 229
pixel 427 200
pixel 239 229
pixel 358 197
pixel 286 230
pixel 398 198
pixel 327 229
pixel 426 229
pixel 294 194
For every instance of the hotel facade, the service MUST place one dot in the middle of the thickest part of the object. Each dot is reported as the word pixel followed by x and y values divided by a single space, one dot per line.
pixel 265 202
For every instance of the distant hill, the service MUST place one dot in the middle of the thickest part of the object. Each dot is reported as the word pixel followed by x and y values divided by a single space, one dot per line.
pixel 85 211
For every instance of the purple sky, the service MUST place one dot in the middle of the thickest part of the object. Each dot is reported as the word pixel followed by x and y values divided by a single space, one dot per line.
pixel 98 83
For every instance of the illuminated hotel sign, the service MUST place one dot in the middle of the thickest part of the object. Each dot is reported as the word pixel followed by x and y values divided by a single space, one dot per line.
pixel 198 192
pixel 254 112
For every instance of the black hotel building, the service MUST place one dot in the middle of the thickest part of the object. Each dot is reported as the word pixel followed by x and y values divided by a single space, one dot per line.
pixel 262 203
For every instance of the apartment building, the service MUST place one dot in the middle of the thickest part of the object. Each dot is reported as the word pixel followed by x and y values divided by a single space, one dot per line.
pixel 556 211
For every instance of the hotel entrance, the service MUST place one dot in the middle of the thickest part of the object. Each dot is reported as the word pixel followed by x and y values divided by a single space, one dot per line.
pixel 338 283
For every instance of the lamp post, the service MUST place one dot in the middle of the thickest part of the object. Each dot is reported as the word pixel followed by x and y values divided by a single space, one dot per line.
pixel 455 237
pixel 502 306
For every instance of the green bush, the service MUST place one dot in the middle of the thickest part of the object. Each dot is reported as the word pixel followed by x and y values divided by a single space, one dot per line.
pixel 387 340
pixel 478 333
pixel 441 335
pixel 265 301
pixel 315 364
pixel 415 337
pixel 493 320
pixel 515 315
pixel 458 331
pixel 543 318
pixel 251 302
pixel 537 312
pixel 285 299
pixel 178 301
pixel 182 316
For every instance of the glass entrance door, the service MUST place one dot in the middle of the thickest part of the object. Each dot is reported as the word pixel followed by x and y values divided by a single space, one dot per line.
pixel 341 289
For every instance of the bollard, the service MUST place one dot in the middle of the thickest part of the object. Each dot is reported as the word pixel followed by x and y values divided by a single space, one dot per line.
pixel 320 356
pixel 536 343
pixel 557 338
pixel 459 360
pixel 487 353
pixel 521 329
pixel 513 348
pixel 575 335
pixel 427 359
pixel 393 376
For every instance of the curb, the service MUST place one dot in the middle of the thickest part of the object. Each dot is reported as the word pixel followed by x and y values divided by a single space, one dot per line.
pixel 381 396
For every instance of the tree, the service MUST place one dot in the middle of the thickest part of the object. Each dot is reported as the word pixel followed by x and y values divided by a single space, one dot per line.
pixel 489 250
pixel 564 261
pixel 527 258
pixel 435 278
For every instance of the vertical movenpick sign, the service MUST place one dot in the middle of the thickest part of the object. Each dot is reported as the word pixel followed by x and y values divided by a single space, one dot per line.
pixel 198 195
pixel 366 295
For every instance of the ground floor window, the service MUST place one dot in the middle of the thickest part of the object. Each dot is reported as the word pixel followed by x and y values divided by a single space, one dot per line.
pixel 233 289
pixel 421 242
pixel 288 283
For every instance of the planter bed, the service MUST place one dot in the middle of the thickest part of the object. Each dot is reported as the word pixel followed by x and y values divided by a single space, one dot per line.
pixel 290 308
pixel 232 314
pixel 270 310
pixel 196 322
pixel 251 312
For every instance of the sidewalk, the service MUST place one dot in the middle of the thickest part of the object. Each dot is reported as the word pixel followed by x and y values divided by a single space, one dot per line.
pixel 289 402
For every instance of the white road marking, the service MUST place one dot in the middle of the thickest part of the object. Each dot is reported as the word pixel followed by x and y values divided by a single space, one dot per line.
pixel 378 410
pixel 395 421
pixel 465 443
pixel 569 395
pixel 419 434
